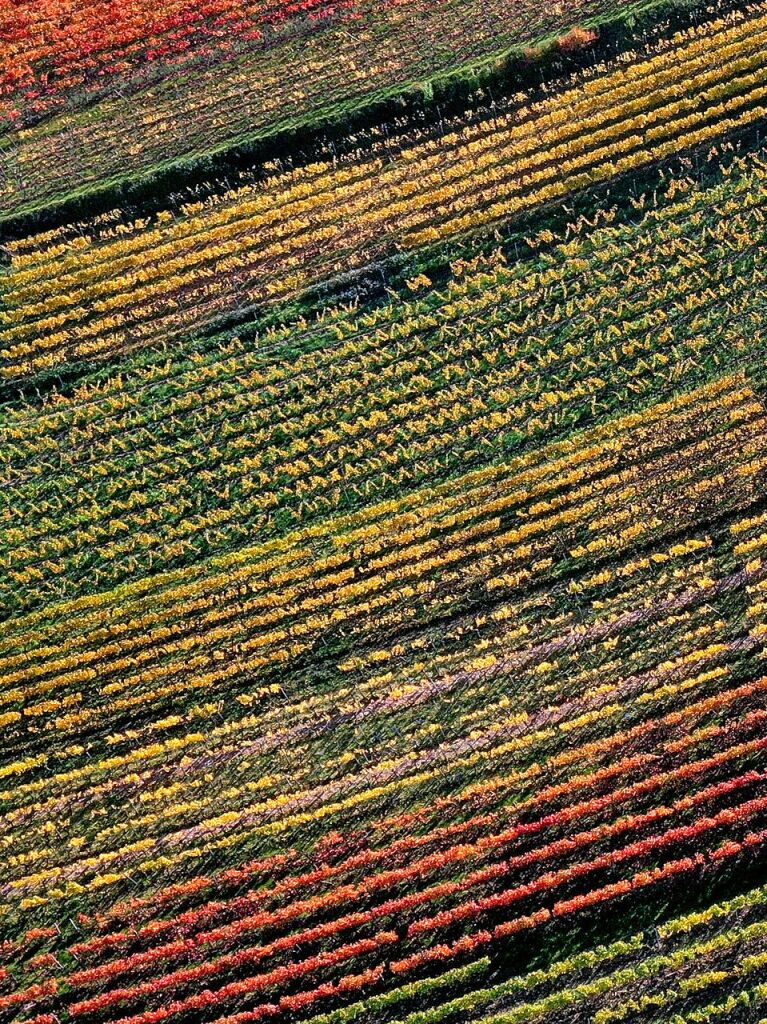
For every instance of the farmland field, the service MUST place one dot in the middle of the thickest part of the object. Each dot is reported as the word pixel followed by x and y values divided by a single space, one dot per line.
pixel 383 512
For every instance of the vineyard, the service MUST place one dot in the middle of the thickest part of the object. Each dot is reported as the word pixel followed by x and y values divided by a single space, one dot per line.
pixel 383 512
